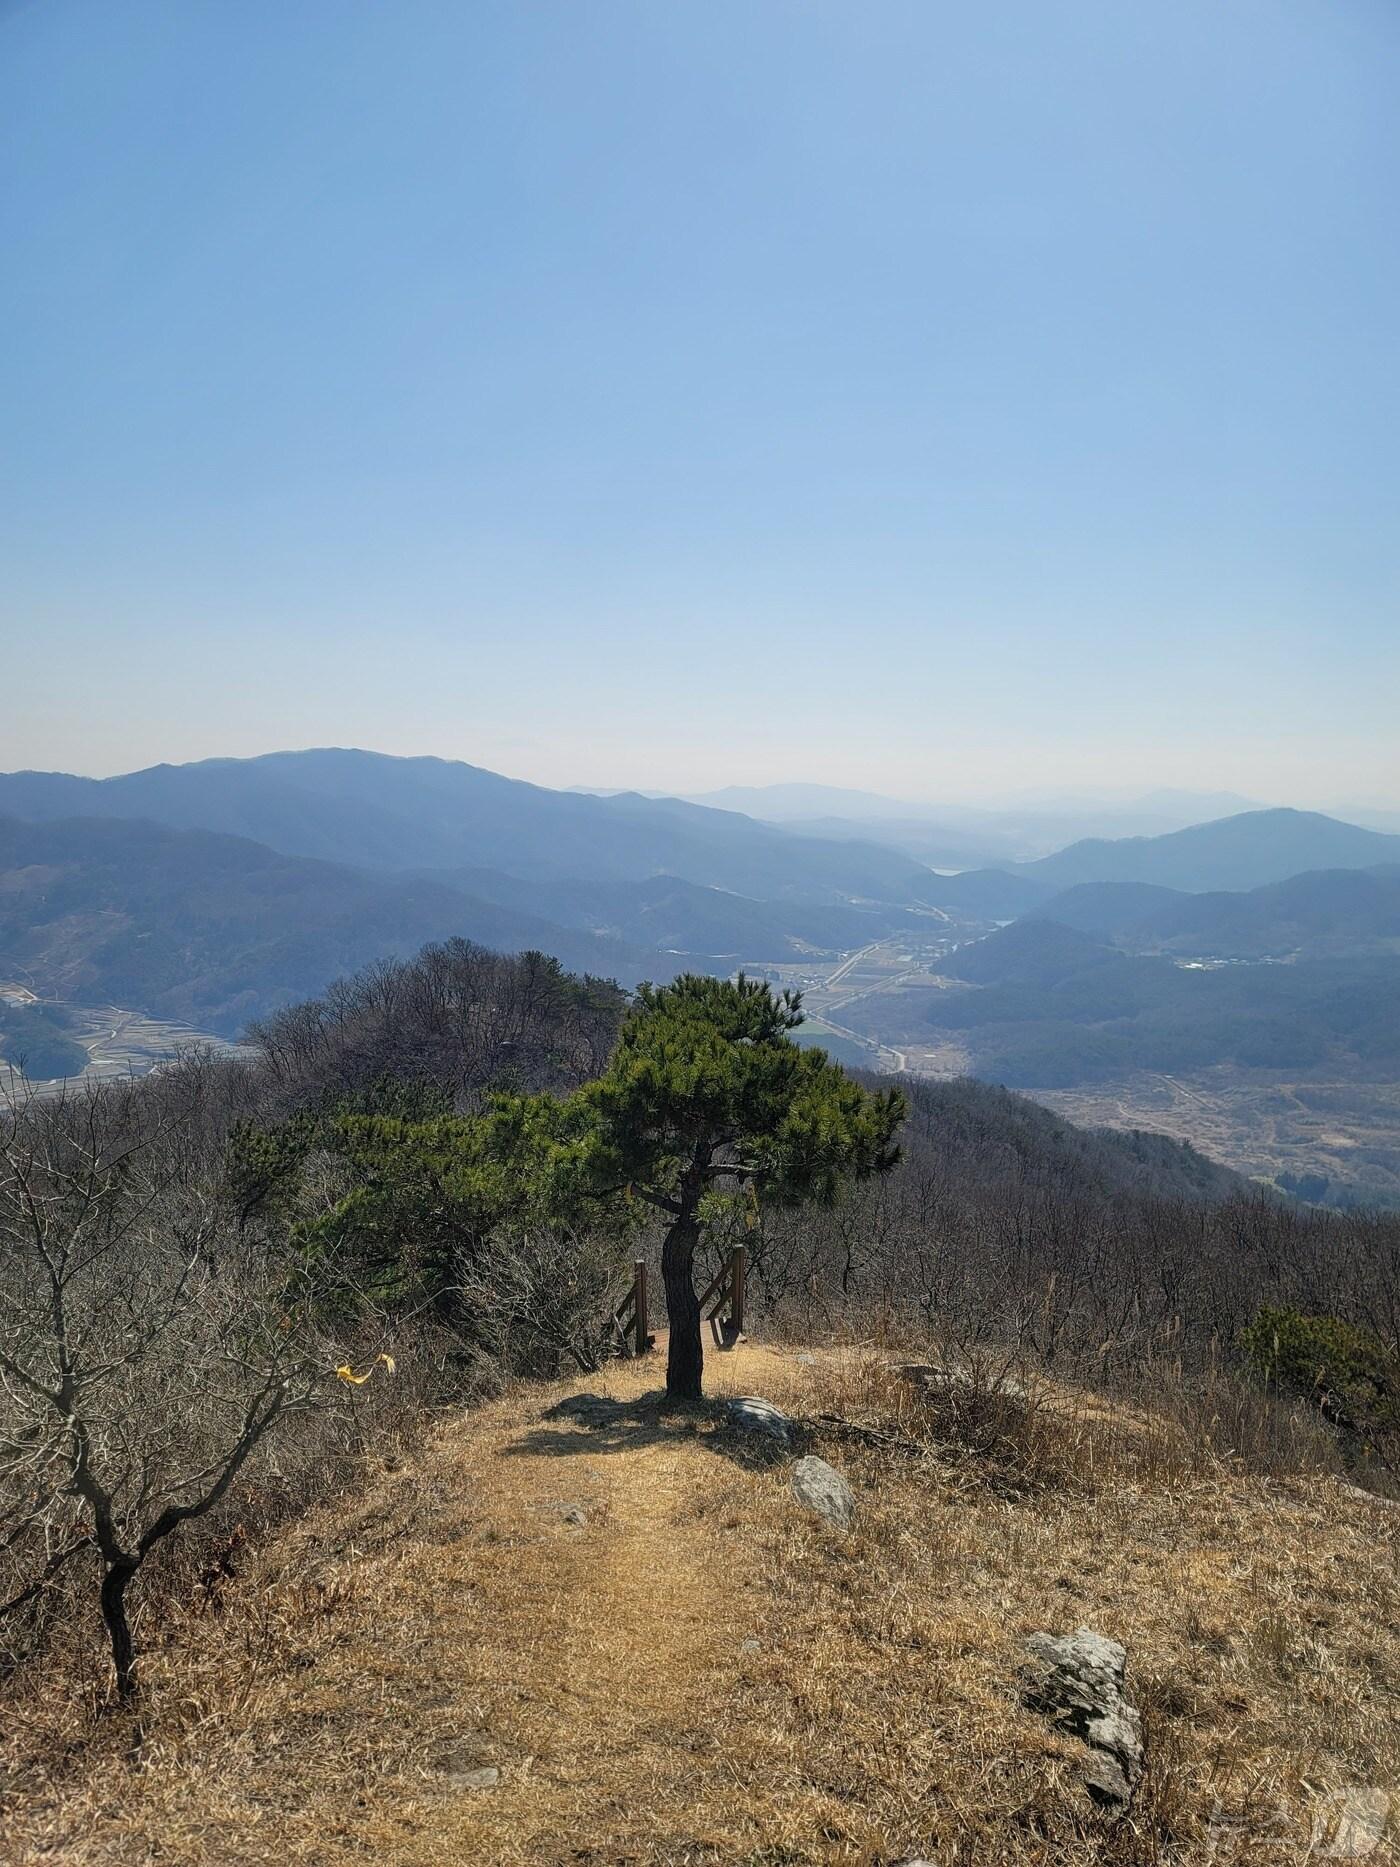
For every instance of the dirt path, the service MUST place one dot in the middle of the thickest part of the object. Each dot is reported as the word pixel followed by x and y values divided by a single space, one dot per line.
pixel 615 1642
pixel 563 1601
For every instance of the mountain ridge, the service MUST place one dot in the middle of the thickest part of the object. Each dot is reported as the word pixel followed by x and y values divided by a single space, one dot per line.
pixel 216 930
pixel 1248 850
pixel 376 811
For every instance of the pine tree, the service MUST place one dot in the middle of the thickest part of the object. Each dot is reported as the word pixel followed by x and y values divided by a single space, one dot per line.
pixel 707 1089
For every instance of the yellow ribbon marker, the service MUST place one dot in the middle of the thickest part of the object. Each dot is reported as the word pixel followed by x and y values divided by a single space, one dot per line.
pixel 347 1374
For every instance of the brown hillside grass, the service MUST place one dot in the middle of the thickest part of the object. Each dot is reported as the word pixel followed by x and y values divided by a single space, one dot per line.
pixel 700 1672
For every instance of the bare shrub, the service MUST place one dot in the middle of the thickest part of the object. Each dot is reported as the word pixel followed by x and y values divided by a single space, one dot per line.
pixel 534 1302
pixel 146 1351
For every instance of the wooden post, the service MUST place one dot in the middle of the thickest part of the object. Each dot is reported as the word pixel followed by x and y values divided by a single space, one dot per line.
pixel 738 1271
pixel 639 1319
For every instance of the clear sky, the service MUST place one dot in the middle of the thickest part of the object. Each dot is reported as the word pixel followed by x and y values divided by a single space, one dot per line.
pixel 940 397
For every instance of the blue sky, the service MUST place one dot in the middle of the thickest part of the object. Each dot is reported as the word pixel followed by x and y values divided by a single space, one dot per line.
pixel 948 399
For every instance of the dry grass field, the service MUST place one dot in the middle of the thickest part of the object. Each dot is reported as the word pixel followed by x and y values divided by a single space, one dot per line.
pixel 666 1660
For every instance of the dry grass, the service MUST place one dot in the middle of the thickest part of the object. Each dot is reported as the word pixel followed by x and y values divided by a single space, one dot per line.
pixel 701 1673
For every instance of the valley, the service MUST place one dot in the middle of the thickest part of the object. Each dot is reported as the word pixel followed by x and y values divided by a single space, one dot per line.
pixel 118 1042
pixel 1337 1142
pixel 1327 1139
pixel 1235 982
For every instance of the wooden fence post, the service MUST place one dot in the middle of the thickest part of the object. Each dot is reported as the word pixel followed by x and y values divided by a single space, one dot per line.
pixel 640 1319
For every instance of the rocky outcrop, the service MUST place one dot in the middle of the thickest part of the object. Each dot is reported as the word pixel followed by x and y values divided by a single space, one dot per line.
pixel 1076 1680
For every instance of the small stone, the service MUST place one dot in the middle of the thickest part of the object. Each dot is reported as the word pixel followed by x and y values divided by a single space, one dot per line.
pixel 575 1514
pixel 752 1414
pixel 822 1488
pixel 750 1646
pixel 487 1778
pixel 804 1360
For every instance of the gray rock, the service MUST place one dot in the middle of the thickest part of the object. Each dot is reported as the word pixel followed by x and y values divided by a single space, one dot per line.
pixel 752 1414
pixel 750 1646
pixel 822 1488
pixel 804 1360
pixel 461 1771
pixel 487 1778
pixel 1371 1497
pixel 1076 1680
pixel 575 1514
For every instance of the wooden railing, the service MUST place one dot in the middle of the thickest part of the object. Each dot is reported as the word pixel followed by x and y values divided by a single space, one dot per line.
pixel 630 1316
pixel 721 1306
pixel 726 1293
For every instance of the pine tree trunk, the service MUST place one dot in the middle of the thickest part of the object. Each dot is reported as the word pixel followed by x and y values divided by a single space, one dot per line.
pixel 685 1355
pixel 114 1587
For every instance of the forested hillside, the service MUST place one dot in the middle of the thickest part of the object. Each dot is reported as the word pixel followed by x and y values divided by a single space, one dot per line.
pixel 1051 1006
pixel 216 930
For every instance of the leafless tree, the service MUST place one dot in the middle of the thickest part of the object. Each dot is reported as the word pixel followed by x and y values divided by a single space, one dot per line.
pixel 456 1016
pixel 145 1351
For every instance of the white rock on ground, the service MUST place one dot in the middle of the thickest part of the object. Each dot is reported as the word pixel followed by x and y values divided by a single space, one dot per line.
pixel 1076 1680
pixel 822 1488
pixel 751 1413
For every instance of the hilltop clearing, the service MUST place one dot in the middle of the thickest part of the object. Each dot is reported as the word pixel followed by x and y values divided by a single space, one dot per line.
pixel 608 1634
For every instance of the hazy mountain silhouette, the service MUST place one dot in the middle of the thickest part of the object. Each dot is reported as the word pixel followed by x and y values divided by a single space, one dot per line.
pixel 1109 908
pixel 378 812
pixel 1330 911
pixel 983 894
pixel 782 803
pixel 961 836
pixel 1246 851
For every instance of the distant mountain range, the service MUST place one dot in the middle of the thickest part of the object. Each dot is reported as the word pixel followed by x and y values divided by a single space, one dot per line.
pixel 1241 852
pixel 212 892
pixel 1244 851
pixel 968 836
pixel 387 814
pixel 788 803
pixel 215 930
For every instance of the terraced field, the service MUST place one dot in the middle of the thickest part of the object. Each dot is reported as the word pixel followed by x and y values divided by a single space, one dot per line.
pixel 125 1043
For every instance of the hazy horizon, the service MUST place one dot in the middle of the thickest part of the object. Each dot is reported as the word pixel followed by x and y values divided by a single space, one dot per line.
pixel 957 405
pixel 1049 801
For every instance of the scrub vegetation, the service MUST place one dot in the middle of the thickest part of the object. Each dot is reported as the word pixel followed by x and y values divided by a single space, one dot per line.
pixel 301 1555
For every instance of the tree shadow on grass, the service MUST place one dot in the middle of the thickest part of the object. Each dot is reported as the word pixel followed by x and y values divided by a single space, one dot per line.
pixel 593 1423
